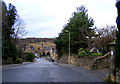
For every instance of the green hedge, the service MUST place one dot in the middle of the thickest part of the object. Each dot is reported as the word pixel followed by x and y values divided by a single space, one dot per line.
pixel 83 52
pixel 42 55
pixel 96 54
pixel 30 57
pixel 19 60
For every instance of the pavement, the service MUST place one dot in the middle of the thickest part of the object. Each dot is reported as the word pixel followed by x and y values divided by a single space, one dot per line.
pixel 44 71
pixel 13 65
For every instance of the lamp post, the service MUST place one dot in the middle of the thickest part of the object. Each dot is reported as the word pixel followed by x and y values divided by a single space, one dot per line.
pixel 69 45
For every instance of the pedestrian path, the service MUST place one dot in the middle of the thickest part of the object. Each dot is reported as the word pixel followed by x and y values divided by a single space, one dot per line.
pixel 7 66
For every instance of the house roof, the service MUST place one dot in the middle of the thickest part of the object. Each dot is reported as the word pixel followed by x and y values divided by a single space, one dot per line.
pixel 47 48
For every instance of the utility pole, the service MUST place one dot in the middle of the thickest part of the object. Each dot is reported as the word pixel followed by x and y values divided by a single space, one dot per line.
pixel 69 43
pixel 69 46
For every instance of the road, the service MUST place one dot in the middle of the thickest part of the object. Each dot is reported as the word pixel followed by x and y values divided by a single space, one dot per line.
pixel 44 71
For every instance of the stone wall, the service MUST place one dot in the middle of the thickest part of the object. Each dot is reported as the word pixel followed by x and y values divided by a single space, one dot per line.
pixel 63 59
pixel 80 61
pixel 101 62
pixel 85 61
pixel 74 60
pixel 7 61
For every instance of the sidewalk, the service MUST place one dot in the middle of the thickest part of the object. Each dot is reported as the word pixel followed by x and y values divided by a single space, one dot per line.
pixel 13 65
pixel 62 64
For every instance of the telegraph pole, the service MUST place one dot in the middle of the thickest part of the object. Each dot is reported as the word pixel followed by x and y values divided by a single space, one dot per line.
pixel 69 46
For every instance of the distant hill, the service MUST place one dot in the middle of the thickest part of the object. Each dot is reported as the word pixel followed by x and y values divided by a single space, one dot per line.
pixel 36 40
pixel 35 44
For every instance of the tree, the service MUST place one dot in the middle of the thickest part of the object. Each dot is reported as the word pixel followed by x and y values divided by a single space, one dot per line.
pixel 8 20
pixel 79 27
pixel 59 45
pixel 104 37
pixel 117 51
pixel 19 31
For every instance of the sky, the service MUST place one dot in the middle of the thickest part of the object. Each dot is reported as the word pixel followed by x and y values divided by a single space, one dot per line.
pixel 46 18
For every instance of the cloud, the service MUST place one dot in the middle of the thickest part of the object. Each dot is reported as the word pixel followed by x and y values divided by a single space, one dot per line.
pixel 45 18
pixel 103 12
pixel 48 31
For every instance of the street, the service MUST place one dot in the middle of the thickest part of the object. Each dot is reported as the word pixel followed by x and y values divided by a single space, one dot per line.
pixel 44 71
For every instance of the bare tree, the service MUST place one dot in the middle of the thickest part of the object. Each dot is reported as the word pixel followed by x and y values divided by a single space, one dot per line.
pixel 104 37
pixel 19 27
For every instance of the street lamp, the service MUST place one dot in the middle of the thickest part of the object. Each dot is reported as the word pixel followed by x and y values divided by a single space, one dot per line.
pixel 69 44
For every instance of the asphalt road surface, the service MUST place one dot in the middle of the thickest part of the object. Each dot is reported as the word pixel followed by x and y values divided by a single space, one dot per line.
pixel 44 71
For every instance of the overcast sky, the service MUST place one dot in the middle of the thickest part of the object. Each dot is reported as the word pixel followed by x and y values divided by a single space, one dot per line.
pixel 46 18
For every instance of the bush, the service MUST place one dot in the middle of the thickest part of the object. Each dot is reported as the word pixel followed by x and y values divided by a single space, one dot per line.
pixel 96 54
pixel 19 60
pixel 8 50
pixel 74 55
pixel 30 57
pixel 42 56
pixel 83 52
pixel 20 53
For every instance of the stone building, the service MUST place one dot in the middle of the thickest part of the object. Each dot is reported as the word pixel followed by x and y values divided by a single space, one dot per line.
pixel 53 53
pixel 40 49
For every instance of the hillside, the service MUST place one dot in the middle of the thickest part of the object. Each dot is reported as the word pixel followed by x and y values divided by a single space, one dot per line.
pixel 35 44
pixel 36 40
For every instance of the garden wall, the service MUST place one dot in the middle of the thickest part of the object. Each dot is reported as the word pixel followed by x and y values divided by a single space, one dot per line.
pixel 63 59
pixel 85 61
pixel 7 61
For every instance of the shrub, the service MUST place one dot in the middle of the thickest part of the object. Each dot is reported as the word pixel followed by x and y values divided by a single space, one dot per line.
pixel 96 54
pixel 20 53
pixel 19 60
pixel 9 58
pixel 41 56
pixel 30 57
pixel 74 55
pixel 83 52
